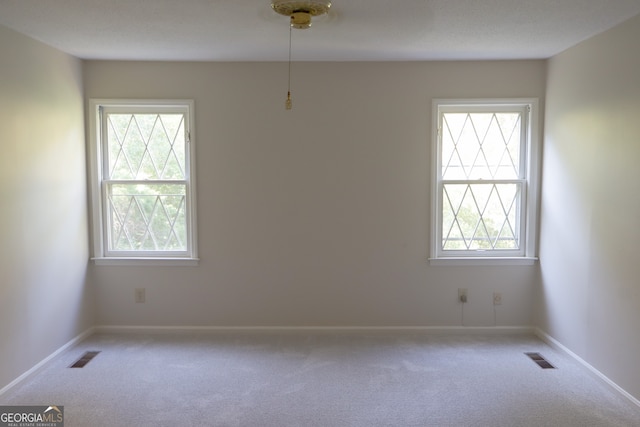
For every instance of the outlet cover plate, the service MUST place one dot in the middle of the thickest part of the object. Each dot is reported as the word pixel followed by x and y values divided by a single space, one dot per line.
pixel 462 295
pixel 497 298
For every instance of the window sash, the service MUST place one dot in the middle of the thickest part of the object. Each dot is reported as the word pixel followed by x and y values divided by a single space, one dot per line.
pixel 512 222
pixel 149 214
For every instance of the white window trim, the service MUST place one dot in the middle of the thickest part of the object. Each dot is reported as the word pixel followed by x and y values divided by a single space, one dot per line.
pixel 99 251
pixel 532 187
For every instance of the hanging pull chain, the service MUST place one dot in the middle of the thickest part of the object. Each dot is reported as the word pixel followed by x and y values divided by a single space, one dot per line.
pixel 287 103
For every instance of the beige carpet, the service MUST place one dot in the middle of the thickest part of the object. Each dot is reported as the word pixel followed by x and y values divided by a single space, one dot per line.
pixel 321 379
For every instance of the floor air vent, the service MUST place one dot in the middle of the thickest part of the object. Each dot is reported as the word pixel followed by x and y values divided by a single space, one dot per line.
pixel 86 358
pixel 541 361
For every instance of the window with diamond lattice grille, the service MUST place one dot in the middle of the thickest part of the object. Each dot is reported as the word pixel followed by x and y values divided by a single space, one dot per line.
pixel 144 177
pixel 482 179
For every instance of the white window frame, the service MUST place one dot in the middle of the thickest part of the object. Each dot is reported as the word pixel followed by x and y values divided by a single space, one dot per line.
pixel 527 218
pixel 100 228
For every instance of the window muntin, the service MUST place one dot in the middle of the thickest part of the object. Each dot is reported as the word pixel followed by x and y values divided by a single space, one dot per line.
pixel 143 174
pixel 483 154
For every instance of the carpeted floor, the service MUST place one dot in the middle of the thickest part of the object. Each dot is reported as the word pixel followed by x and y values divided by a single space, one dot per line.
pixel 321 379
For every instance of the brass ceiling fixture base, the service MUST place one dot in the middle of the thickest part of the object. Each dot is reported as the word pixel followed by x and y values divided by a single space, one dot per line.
pixel 300 12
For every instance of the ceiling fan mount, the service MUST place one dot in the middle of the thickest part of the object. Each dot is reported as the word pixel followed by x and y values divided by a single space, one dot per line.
pixel 300 12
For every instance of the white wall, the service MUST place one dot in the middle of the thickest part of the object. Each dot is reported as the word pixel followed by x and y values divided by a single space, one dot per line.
pixel 589 297
pixel 44 302
pixel 319 215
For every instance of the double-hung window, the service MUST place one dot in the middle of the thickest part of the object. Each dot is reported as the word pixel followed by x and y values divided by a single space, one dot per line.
pixel 484 180
pixel 142 177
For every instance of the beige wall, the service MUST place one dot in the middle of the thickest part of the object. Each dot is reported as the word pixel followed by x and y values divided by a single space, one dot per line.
pixel 316 216
pixel 589 299
pixel 43 223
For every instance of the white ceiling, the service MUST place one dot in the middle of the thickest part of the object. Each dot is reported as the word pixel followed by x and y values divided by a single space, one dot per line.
pixel 355 30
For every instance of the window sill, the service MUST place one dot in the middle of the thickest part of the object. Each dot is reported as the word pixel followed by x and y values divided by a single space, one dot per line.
pixel 180 262
pixel 484 261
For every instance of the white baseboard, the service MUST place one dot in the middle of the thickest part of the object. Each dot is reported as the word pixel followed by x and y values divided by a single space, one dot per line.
pixel 40 364
pixel 435 330
pixel 556 344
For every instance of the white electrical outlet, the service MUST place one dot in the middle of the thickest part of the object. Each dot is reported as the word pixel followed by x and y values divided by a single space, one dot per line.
pixel 139 293
pixel 497 298
pixel 462 295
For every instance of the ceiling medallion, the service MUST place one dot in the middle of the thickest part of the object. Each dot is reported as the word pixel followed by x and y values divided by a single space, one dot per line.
pixel 300 12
